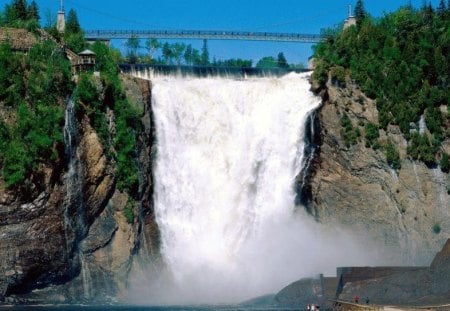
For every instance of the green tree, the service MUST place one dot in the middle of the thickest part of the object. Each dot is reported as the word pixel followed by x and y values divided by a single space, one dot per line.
pixel 392 156
pixel 360 12
pixel 337 74
pixel 441 9
pixel 12 87
pixel 281 61
pixel 205 53
pixel 349 133
pixel 188 55
pixel 33 11
pixel 267 62
pixel 372 135
pixel 152 45
pixel 196 57
pixel 445 163
pixel 167 53
pixel 73 34
pixel 177 51
pixel 20 9
pixel 72 23
pixel 132 44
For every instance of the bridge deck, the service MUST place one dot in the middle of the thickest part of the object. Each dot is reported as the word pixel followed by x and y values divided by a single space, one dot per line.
pixel 202 34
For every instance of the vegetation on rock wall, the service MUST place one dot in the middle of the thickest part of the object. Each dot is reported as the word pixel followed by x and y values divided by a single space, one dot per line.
pixel 99 94
pixel 33 87
pixel 349 133
pixel 403 61
pixel 392 156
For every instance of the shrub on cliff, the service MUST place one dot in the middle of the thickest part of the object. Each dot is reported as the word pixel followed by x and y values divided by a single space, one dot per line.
pixel 337 74
pixel 349 133
pixel 445 163
pixel 372 135
pixel 128 211
pixel 12 87
pixel 320 73
pixel 392 156
pixel 420 148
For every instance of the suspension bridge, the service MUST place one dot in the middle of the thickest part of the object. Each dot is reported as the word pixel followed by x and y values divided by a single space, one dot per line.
pixel 107 35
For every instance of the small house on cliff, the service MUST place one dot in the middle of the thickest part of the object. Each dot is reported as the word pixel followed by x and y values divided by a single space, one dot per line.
pixel 84 62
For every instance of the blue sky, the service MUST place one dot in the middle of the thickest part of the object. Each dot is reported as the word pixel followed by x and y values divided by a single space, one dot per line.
pixel 302 16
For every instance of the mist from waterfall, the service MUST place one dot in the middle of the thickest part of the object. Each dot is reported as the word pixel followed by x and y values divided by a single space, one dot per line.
pixel 228 152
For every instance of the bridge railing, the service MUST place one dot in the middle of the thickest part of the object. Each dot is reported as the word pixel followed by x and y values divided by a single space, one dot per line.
pixel 203 34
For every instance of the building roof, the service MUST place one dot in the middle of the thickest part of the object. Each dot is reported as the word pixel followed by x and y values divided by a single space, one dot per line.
pixel 86 52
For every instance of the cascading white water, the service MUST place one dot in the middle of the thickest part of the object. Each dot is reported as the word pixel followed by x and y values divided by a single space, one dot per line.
pixel 228 154
pixel 75 214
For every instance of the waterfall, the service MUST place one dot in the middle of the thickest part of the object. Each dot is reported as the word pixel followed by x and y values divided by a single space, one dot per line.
pixel 74 203
pixel 229 151
pixel 86 277
pixel 75 213
pixel 440 188
pixel 422 125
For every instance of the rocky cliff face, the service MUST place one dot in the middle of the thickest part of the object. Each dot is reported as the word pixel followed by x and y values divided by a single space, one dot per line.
pixel 407 210
pixel 79 246
pixel 52 251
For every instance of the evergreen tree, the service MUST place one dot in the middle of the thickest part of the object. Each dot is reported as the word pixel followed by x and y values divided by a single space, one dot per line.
pixel 266 62
pixel 33 11
pixel 281 61
pixel 360 12
pixel 133 45
pixel 20 9
pixel 409 5
pixel 178 49
pixel 188 55
pixel 72 24
pixel 441 9
pixel 205 53
pixel 424 5
pixel 167 53
pixel 152 45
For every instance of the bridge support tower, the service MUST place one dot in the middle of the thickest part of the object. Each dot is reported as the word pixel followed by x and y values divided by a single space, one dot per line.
pixel 61 19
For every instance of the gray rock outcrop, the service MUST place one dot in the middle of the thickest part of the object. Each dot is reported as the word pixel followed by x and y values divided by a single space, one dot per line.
pixel 406 210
